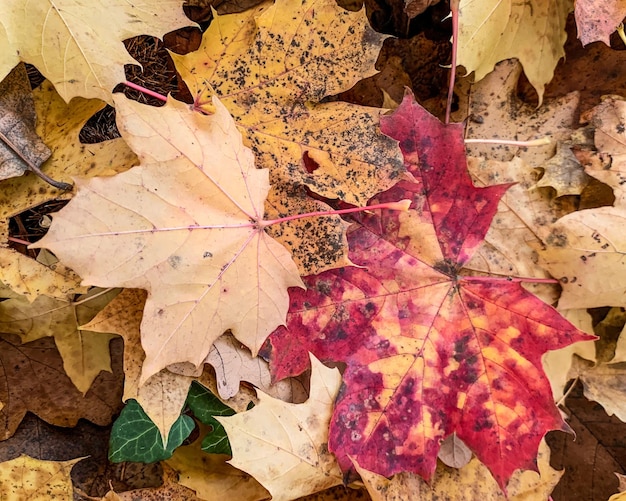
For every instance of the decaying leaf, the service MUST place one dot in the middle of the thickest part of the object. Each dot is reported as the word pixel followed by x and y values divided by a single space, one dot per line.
pixel 564 173
pixel 589 461
pixel 186 226
pixel 597 19
pixel 454 452
pixel 20 146
pixel 473 481
pixel 498 113
pixel 233 363
pixel 84 353
pixel 284 446
pixel 585 247
pixel 429 350
pixel 170 490
pixel 32 379
pixel 413 8
pixel 27 478
pixel 81 62
pixel 533 31
pixel 602 383
pixel 271 66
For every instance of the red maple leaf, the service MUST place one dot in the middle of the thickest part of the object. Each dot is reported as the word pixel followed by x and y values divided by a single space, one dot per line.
pixel 429 351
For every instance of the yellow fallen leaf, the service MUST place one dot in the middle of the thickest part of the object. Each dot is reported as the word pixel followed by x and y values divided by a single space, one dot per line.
pixel 532 31
pixel 186 226
pixel 27 277
pixel 28 479
pixel 285 446
pixel 271 66
pixel 68 42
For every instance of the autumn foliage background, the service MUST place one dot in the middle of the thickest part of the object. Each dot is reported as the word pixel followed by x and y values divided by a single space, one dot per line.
pixel 313 269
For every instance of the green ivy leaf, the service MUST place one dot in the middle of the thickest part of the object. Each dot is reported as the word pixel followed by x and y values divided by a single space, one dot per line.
pixel 204 406
pixel 134 437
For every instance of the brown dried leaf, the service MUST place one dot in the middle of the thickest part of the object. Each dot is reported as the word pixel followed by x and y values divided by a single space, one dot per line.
pixel 32 379
pixel 20 146
pixel 84 353
pixel 497 113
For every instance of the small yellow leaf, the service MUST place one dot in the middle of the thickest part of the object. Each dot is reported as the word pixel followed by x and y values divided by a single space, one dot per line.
pixel 29 278
pixel 211 477
pixel 28 479
pixel 163 395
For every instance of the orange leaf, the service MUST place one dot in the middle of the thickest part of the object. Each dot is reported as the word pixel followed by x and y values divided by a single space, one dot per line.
pixel 429 350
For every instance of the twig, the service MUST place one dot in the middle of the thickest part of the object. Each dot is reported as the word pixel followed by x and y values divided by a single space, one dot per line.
pixel 34 169
pixel 569 390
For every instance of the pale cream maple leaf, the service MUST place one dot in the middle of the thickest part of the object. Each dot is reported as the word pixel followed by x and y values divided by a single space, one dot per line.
pixel 285 446
pixel 185 225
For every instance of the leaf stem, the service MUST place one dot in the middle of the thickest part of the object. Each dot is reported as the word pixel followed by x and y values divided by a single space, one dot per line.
pixel 402 205
pixel 566 394
pixel 148 92
pixel 454 10
pixel 471 278
pixel 19 241
pixel 542 141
